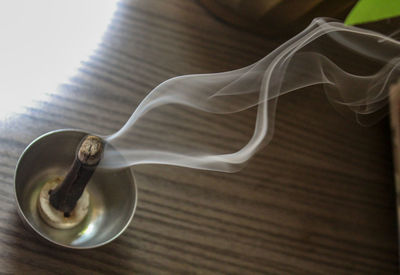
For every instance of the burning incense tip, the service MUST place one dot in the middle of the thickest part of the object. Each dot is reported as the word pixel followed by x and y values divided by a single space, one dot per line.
pixel 91 150
pixel 66 200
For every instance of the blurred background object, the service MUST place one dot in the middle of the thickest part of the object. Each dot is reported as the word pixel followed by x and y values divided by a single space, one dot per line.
pixel 277 17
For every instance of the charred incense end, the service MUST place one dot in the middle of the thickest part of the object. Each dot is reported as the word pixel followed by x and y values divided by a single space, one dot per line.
pixel 91 150
pixel 65 196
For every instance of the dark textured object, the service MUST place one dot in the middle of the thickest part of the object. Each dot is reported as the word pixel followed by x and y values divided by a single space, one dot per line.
pixel 395 123
pixel 65 196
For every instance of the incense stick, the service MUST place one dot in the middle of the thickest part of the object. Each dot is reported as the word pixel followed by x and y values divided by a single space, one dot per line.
pixel 65 195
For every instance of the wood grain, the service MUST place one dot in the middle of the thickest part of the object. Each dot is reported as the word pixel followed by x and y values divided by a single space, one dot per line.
pixel 318 200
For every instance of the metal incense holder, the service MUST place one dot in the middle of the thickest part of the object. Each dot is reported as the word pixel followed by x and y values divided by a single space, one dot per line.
pixel 113 193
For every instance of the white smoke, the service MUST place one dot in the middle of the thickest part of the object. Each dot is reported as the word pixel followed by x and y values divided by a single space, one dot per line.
pixel 209 106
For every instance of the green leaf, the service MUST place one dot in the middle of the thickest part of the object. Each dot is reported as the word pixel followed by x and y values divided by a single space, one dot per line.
pixel 373 10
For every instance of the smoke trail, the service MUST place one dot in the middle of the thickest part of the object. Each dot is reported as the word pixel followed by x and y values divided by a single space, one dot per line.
pixel 216 101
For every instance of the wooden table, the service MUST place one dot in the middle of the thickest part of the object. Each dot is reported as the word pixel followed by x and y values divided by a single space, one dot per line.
pixel 319 199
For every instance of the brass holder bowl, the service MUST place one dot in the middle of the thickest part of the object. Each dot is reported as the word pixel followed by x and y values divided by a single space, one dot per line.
pixel 113 193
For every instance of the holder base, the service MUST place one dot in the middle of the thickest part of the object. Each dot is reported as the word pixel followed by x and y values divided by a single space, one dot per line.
pixel 56 218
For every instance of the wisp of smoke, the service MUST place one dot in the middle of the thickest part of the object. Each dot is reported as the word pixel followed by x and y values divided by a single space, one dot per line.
pixel 216 101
